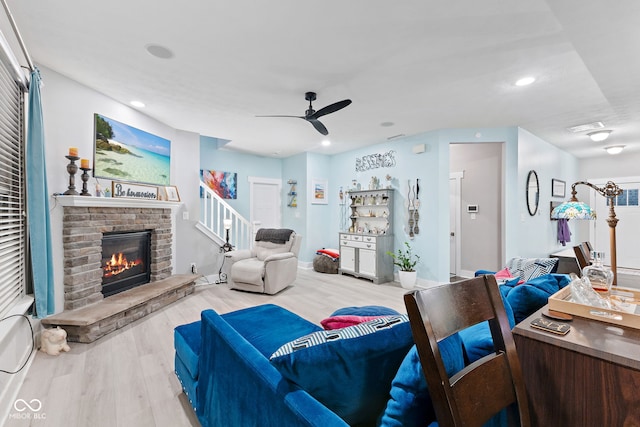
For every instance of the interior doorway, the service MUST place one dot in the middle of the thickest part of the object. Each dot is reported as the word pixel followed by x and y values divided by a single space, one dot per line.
pixel 265 203
pixel 479 207
pixel 454 223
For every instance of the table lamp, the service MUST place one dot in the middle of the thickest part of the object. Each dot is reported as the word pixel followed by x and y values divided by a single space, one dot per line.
pixel 574 209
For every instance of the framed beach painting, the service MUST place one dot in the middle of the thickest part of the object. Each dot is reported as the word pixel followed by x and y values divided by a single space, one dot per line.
pixel 224 184
pixel 125 153
pixel 319 191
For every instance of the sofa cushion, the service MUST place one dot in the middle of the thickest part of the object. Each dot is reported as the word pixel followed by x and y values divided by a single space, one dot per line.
pixel 348 370
pixel 409 404
pixel 250 270
pixel 530 268
pixel 268 326
pixel 186 341
pixel 264 249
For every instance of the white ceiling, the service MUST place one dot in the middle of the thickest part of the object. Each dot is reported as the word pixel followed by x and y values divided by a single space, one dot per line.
pixel 422 65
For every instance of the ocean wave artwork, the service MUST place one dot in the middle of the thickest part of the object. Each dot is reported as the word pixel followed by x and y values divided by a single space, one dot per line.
pixel 125 153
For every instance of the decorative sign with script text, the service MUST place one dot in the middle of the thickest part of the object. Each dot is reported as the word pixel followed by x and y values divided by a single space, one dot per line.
pixel 134 191
pixel 375 161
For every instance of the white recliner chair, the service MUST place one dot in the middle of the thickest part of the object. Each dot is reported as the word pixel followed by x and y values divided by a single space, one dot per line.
pixel 270 266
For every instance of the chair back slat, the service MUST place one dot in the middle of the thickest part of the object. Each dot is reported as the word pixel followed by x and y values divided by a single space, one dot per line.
pixel 479 391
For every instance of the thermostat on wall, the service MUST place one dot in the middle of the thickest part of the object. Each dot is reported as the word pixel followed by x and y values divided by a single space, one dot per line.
pixel 472 208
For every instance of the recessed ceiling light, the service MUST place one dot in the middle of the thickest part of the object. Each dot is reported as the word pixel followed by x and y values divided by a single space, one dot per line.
pixel 600 135
pixel 614 149
pixel 326 143
pixel 137 104
pixel 386 124
pixel 159 51
pixel 525 81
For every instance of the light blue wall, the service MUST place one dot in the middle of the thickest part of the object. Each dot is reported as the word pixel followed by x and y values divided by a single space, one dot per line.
pixel 295 167
pixel 539 232
pixel 320 224
pixel 319 217
pixel 245 165
pixel 409 167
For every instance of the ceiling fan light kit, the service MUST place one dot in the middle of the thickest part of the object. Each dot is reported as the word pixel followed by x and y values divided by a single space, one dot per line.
pixel 312 115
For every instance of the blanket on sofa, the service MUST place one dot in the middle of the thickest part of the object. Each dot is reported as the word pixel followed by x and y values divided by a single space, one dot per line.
pixel 273 235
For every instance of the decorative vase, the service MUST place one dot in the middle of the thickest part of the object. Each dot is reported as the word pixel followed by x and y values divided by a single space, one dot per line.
pixel 600 277
pixel 407 278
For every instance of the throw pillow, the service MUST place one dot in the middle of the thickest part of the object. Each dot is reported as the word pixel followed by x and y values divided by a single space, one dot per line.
pixel 348 370
pixel 503 274
pixel 337 322
pixel 409 404
pixel 530 268
pixel 530 296
pixel 367 310
pixel 331 253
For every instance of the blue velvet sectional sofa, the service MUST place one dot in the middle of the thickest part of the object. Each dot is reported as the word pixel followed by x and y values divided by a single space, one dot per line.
pixel 266 366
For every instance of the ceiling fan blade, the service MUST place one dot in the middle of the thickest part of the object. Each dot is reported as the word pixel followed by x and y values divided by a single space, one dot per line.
pixel 330 108
pixel 295 117
pixel 319 126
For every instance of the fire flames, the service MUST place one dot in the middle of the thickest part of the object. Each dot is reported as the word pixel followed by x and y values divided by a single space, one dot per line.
pixel 118 264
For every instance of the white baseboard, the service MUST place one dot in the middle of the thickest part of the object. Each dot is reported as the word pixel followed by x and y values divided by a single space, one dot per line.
pixel 305 265
pixel 466 273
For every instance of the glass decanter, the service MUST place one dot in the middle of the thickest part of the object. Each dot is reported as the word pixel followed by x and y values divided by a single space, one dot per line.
pixel 600 277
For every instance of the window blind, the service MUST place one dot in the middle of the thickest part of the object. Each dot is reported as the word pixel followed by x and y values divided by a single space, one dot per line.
pixel 13 242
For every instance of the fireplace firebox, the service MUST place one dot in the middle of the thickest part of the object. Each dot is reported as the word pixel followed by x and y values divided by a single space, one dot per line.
pixel 126 259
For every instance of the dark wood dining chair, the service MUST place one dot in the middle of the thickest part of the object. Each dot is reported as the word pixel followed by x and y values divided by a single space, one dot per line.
pixel 482 389
pixel 587 249
pixel 582 257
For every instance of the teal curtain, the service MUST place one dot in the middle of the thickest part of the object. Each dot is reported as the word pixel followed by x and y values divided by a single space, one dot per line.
pixel 38 204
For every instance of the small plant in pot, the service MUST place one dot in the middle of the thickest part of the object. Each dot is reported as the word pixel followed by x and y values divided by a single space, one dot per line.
pixel 406 261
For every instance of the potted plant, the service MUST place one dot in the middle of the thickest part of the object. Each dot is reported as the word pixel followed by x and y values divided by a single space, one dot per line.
pixel 405 260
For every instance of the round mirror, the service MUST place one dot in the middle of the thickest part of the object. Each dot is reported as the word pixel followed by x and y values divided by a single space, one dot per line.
pixel 533 192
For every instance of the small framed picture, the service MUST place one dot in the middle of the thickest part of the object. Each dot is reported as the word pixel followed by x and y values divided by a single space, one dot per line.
pixel 171 193
pixel 558 188
pixel 319 191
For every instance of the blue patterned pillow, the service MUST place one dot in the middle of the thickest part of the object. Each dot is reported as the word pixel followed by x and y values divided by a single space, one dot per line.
pixel 530 268
pixel 348 370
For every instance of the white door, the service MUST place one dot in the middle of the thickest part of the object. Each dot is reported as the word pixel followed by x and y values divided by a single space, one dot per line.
pixel 454 223
pixel 265 205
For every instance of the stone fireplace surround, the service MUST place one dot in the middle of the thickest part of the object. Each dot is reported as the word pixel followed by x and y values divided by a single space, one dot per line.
pixel 83 228
pixel 87 315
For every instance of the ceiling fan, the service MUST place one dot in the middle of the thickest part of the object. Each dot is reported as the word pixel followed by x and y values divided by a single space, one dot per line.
pixel 312 115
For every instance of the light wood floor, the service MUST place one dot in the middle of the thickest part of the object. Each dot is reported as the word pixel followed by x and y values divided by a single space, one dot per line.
pixel 126 378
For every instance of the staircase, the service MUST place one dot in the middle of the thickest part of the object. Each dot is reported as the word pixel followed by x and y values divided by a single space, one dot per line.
pixel 213 212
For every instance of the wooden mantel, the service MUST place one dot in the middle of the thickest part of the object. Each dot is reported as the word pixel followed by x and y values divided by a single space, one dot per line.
pixel 115 202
